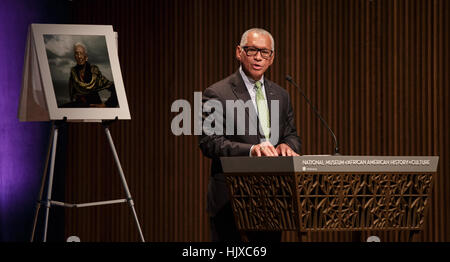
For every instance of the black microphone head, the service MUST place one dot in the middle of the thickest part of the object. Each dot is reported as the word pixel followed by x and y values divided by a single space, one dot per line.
pixel 289 78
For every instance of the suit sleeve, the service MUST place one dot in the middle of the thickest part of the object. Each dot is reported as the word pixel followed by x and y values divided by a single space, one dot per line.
pixel 218 145
pixel 290 132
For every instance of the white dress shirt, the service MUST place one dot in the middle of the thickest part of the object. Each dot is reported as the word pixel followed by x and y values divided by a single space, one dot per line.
pixel 251 88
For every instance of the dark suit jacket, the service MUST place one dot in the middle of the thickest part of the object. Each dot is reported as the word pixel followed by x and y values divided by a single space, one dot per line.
pixel 216 146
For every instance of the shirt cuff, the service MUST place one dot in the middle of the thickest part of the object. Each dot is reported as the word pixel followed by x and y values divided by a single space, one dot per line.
pixel 251 148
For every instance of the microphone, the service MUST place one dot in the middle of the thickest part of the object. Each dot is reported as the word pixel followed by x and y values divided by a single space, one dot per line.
pixel 336 148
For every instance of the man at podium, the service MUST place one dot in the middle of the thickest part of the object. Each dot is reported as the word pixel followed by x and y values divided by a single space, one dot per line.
pixel 255 53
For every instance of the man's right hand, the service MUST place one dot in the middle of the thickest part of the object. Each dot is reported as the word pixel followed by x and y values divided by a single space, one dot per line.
pixel 264 149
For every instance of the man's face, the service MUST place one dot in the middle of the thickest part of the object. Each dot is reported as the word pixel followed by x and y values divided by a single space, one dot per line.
pixel 80 55
pixel 255 65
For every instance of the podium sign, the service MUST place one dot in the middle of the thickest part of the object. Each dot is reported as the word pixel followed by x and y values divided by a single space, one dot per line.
pixel 330 193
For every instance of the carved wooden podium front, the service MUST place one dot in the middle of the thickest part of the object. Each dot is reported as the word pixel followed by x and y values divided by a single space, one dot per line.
pixel 330 193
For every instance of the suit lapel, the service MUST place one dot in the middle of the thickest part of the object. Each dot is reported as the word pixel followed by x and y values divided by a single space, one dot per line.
pixel 241 93
pixel 239 88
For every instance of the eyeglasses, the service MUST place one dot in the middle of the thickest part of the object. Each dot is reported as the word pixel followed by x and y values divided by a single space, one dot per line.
pixel 252 51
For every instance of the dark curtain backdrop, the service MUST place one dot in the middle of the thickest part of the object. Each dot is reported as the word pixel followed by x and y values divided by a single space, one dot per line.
pixel 376 69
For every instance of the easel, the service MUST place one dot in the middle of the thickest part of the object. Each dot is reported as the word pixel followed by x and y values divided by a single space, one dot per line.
pixel 48 202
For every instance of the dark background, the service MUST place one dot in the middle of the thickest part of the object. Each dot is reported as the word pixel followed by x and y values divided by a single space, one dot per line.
pixel 376 69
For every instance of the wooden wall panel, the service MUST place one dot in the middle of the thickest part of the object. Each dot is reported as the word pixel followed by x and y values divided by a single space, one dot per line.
pixel 376 69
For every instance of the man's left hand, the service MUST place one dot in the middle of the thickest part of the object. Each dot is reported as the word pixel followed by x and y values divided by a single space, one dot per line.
pixel 285 150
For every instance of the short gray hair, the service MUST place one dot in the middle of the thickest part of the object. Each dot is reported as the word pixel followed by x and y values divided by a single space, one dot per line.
pixel 80 44
pixel 259 31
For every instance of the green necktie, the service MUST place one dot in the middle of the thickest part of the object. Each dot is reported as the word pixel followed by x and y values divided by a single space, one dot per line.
pixel 263 110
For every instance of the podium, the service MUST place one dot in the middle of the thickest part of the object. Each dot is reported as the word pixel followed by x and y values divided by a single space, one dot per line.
pixel 330 193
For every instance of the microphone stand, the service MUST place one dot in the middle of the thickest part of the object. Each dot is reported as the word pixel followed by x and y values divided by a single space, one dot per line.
pixel 336 148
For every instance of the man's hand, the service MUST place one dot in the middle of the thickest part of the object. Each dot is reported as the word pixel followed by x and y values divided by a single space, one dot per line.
pixel 264 149
pixel 285 150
